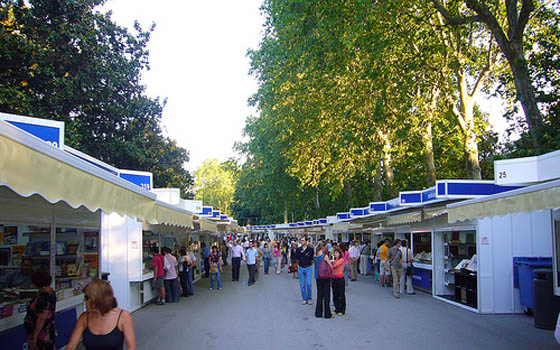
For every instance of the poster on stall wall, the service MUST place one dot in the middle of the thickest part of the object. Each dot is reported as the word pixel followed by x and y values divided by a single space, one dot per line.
pixel 91 262
pixel 91 241
pixel 17 254
pixel 10 235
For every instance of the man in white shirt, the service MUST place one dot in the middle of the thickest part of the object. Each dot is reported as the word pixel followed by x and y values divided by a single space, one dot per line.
pixel 407 259
pixel 251 260
pixel 236 256
pixel 353 256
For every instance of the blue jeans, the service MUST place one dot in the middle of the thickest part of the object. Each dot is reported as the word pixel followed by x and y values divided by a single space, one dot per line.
pixel 266 262
pixel 214 276
pixel 190 282
pixel 171 291
pixel 305 277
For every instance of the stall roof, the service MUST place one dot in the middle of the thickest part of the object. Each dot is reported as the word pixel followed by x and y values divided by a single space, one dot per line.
pixel 31 166
pixel 406 218
pixel 523 200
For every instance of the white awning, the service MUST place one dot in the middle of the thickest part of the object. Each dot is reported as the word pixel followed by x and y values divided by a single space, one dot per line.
pixel 30 166
pixel 415 216
pixel 524 200
pixel 341 227
pixel 434 212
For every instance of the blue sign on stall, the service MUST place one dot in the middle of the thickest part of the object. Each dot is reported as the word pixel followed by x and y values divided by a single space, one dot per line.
pixel 139 178
pixel 50 131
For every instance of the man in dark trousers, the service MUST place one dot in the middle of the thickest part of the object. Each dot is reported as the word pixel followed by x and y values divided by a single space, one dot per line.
pixel 236 256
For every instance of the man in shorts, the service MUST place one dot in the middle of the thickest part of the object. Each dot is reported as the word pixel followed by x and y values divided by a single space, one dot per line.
pixel 383 272
pixel 159 274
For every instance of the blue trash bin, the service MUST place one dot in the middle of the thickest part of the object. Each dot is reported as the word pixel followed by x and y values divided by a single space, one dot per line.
pixel 523 279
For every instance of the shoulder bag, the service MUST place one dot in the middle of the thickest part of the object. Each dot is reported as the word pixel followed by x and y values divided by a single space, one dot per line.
pixel 410 268
pixel 325 270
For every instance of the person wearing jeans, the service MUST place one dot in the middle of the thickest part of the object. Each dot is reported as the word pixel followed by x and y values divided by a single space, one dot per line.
pixel 215 261
pixel 170 279
pixel 304 256
pixel 251 260
pixel 267 256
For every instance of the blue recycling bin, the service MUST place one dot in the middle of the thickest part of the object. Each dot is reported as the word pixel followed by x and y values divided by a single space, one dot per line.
pixel 523 276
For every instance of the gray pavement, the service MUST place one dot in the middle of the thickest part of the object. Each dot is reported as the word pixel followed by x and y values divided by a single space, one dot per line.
pixel 269 315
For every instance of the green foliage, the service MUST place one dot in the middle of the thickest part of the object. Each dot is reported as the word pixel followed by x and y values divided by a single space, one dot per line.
pixel 63 60
pixel 215 183
pixel 543 52
pixel 344 85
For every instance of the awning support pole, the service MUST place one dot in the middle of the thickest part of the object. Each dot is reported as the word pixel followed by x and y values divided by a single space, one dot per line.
pixel 52 257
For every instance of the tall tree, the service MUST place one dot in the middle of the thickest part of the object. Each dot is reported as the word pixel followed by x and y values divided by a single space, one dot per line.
pixel 215 184
pixel 510 38
pixel 63 60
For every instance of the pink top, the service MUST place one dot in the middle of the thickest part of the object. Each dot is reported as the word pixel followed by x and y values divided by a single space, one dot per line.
pixel 345 256
pixel 172 273
pixel 338 268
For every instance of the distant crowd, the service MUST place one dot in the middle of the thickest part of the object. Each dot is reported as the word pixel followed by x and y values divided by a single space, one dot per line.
pixel 331 264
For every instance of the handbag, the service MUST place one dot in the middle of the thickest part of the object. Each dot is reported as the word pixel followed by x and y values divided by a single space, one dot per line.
pixel 410 268
pixel 213 269
pixel 325 270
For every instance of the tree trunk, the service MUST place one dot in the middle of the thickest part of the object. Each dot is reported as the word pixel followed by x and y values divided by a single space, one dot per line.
pixel 316 202
pixel 526 96
pixel 465 117
pixel 285 212
pixel 348 193
pixel 377 184
pixel 511 46
pixel 428 145
pixel 387 167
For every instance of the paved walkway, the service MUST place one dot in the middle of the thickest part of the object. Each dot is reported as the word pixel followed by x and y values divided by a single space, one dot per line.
pixel 269 315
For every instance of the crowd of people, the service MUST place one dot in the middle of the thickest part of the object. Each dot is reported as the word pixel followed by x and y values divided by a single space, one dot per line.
pixel 332 265
pixel 393 266
pixel 173 274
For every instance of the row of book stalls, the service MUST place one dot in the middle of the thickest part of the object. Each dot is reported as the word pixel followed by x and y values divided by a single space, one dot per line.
pixel 464 234
pixel 82 219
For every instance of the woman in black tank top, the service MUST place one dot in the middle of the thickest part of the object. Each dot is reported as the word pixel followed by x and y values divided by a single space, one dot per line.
pixel 103 325
pixel 113 340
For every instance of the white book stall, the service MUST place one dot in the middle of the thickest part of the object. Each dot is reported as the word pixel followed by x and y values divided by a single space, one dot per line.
pixel 70 214
pixel 446 255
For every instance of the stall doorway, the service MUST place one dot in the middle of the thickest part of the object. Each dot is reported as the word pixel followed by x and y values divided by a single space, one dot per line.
pixel 456 262
pixel 556 230
pixel 421 246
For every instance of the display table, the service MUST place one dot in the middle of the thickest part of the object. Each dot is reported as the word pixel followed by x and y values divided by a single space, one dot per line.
pixel 422 276
pixel 466 288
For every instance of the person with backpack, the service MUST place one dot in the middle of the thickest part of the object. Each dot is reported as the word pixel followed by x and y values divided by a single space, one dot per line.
pixel 323 276
pixel 159 274
pixel 170 279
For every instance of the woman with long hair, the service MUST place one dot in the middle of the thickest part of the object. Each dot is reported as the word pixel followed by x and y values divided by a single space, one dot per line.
pixel 338 286
pixel 293 260
pixel 104 325
pixel 323 308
